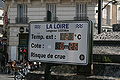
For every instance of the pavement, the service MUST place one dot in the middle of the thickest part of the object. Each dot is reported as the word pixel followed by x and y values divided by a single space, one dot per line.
pixel 34 76
pixel 6 77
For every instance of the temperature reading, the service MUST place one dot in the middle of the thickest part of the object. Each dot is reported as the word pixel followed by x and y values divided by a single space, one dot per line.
pixel 66 36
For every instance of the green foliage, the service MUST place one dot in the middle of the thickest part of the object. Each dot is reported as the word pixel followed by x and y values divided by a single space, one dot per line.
pixel 107 59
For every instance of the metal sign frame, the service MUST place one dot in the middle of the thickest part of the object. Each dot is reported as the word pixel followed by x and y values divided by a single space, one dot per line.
pixel 42 35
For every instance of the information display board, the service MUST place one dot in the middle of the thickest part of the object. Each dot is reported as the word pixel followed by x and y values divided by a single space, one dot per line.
pixel 64 42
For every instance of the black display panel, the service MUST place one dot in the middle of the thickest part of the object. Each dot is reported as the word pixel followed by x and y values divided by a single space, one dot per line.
pixel 66 36
pixel 70 46
pixel 59 45
pixel 73 46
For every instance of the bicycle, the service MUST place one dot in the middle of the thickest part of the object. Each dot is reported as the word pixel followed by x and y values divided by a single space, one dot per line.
pixel 20 72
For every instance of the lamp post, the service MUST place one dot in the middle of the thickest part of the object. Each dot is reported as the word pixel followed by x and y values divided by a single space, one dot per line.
pixel 99 16
pixel 100 12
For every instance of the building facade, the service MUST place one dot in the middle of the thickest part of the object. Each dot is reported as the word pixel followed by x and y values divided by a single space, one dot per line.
pixel 110 15
pixel 1 21
pixel 118 14
pixel 21 12
pixel 1 29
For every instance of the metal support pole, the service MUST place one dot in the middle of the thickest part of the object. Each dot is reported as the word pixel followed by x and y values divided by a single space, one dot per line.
pixel 48 72
pixel 99 16
pixel 48 66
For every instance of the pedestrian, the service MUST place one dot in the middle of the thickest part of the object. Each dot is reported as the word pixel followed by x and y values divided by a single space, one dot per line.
pixel 13 66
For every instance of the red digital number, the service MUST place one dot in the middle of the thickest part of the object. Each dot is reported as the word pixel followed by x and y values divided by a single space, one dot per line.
pixel 62 46
pixel 59 45
pixel 73 46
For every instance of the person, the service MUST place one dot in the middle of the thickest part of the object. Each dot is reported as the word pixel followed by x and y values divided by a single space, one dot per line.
pixel 28 67
pixel 13 66
pixel 8 67
pixel 2 63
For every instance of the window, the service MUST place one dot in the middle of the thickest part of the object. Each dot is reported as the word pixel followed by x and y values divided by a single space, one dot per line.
pixel 81 11
pixel 109 30
pixel 108 20
pixel 119 8
pixel 22 10
pixel 103 30
pixel 51 8
pixel 21 13
pixel 1 18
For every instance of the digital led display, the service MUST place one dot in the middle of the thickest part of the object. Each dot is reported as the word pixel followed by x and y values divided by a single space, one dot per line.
pixel 62 46
pixel 59 45
pixel 73 46
pixel 66 36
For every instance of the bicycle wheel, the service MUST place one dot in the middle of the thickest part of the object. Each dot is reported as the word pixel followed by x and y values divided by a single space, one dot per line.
pixel 17 77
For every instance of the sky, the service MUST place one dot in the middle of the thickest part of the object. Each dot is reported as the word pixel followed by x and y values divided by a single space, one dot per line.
pixel 1 4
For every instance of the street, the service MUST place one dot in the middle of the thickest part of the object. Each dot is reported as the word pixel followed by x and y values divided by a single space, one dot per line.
pixel 10 77
pixel 6 77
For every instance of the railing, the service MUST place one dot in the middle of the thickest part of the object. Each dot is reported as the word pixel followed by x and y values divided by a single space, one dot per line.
pixel 22 20
pixel 107 36
pixel 81 18
pixel 106 47
pixel 53 18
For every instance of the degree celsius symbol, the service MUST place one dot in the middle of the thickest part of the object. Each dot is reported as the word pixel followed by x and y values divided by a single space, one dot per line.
pixel 78 36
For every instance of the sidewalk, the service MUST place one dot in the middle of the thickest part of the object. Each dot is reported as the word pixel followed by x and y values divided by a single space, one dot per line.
pixel 6 77
pixel 54 76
